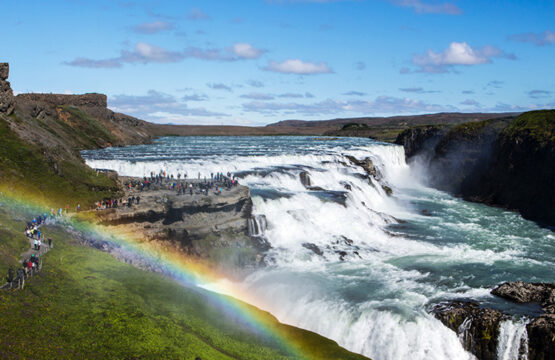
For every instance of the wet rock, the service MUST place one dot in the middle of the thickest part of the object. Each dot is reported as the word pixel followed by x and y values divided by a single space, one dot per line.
pixel 305 179
pixel 541 338
pixel 541 330
pixel 366 164
pixel 315 188
pixel 387 190
pixel 314 248
pixel 477 328
pixel 521 292
pixel 342 255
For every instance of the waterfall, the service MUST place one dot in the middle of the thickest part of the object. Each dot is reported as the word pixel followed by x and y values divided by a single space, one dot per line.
pixel 257 225
pixel 347 258
pixel 513 340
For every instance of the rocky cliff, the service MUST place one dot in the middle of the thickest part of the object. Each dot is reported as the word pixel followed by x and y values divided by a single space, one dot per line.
pixel 40 139
pixel 209 226
pixel 7 103
pixel 502 162
pixel 479 327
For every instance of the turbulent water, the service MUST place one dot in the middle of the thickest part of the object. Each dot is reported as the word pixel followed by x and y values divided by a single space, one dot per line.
pixel 359 266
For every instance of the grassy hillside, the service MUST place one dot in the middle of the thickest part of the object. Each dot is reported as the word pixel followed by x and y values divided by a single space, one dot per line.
pixel 539 124
pixel 31 170
pixel 86 304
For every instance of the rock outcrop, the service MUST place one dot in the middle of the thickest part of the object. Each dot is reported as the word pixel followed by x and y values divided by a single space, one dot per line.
pixel 85 100
pixel 7 102
pixel 502 162
pixel 478 327
pixel 420 139
pixel 211 227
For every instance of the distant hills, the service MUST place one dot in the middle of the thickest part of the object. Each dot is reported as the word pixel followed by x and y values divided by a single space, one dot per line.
pixel 381 128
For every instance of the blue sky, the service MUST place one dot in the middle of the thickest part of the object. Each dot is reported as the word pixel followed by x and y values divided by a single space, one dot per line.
pixel 253 62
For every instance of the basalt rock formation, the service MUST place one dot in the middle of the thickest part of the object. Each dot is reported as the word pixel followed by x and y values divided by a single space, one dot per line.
pixel 7 102
pixel 502 162
pixel 478 327
pixel 211 227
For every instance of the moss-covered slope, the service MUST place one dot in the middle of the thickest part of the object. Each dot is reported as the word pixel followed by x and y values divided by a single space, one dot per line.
pixel 87 305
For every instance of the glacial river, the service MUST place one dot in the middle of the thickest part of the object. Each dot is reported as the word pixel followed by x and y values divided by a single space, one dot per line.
pixel 351 262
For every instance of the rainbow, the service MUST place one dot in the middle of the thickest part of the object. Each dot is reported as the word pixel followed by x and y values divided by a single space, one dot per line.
pixel 187 271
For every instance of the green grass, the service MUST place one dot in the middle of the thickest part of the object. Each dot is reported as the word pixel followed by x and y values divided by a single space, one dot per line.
pixel 26 171
pixel 539 124
pixel 12 242
pixel 86 128
pixel 86 304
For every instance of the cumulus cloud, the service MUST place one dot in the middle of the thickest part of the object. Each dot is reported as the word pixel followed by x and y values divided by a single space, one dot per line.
pixel 298 67
pixel 153 27
pixel 458 53
pixel 219 86
pixel 196 14
pixel 246 51
pixel 427 7
pixel 154 105
pixel 145 53
pixel 539 39
pixel 380 105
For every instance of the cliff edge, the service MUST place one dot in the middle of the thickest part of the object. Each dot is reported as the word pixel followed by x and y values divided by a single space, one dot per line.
pixel 501 162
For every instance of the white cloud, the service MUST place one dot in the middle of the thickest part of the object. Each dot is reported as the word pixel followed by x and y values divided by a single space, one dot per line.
pixel 247 51
pixel 146 53
pixel 298 67
pixel 458 53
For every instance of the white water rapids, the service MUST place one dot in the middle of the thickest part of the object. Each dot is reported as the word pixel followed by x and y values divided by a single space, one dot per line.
pixel 349 261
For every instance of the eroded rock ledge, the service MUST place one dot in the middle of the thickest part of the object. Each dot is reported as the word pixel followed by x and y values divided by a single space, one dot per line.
pixel 211 227
pixel 478 327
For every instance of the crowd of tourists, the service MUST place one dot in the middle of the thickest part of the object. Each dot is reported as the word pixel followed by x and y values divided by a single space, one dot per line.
pixel 163 180
pixel 180 184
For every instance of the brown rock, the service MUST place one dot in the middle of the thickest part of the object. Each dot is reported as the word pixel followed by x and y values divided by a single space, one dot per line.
pixel 4 71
